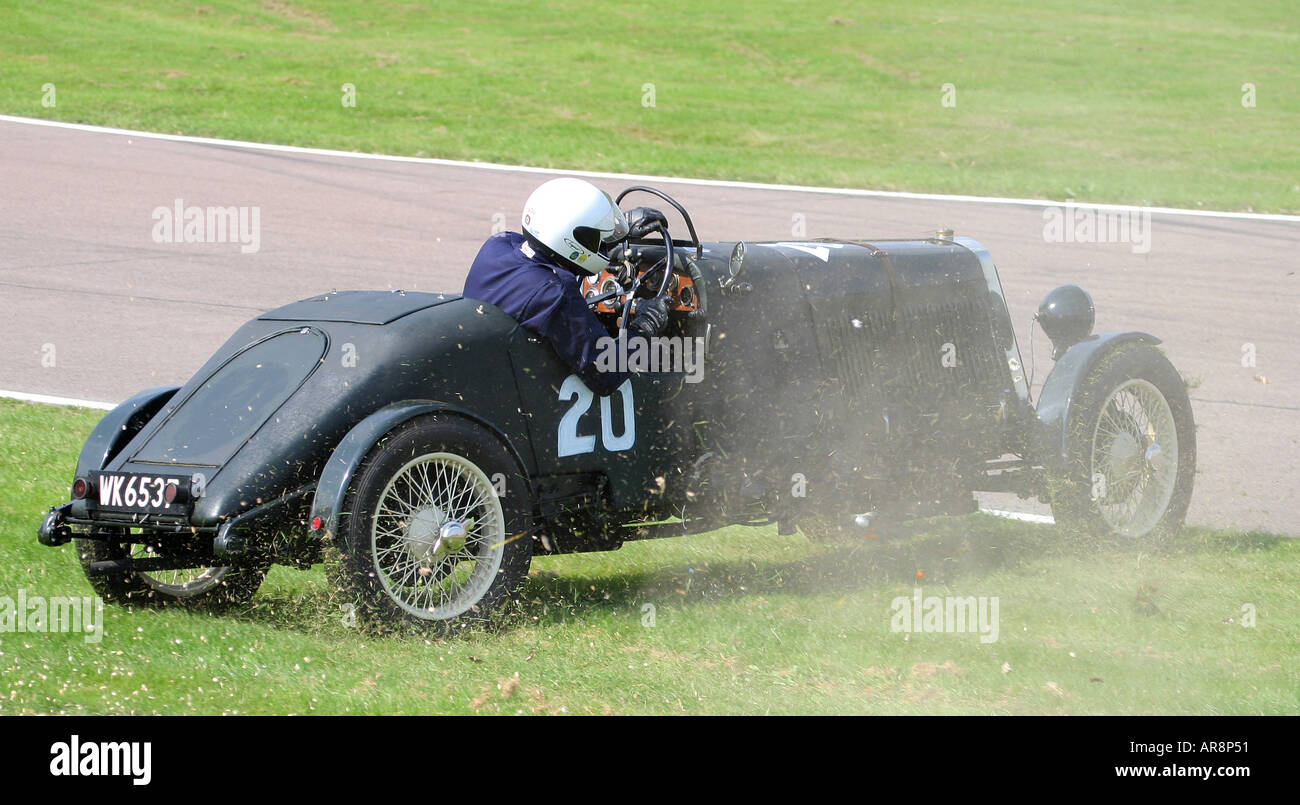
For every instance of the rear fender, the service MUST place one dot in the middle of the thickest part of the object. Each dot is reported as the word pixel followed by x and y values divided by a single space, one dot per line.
pixel 357 444
pixel 120 425
pixel 1049 440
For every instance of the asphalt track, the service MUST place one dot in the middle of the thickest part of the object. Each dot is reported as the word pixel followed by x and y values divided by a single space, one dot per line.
pixel 93 308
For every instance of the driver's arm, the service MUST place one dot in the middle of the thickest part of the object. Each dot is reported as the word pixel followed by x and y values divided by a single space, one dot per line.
pixel 573 330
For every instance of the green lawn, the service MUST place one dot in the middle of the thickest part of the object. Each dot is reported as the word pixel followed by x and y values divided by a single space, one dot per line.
pixel 745 622
pixel 1103 101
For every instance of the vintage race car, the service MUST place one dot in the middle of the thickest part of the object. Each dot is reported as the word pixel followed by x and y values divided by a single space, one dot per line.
pixel 427 447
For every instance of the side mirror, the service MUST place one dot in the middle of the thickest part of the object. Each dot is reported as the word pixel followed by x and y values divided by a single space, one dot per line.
pixel 735 266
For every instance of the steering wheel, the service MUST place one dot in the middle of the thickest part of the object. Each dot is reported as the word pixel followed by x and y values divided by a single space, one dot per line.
pixel 668 261
pixel 690 225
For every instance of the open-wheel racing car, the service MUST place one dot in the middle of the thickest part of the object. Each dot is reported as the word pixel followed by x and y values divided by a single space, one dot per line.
pixel 426 446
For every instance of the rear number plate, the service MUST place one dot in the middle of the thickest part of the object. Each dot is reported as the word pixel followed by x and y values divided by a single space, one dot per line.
pixel 140 494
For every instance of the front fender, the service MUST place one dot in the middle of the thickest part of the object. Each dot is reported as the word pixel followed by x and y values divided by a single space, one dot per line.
pixel 120 425
pixel 1049 439
pixel 352 450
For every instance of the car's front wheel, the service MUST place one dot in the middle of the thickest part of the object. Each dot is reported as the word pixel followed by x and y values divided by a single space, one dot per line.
pixel 436 531
pixel 1131 450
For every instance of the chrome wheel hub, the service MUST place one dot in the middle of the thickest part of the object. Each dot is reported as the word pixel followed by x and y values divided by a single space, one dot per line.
pixel 432 536
pixel 1126 456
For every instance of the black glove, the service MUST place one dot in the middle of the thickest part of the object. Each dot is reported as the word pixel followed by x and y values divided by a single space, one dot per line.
pixel 643 220
pixel 651 317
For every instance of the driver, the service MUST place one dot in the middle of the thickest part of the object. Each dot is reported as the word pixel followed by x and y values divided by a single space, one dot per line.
pixel 569 227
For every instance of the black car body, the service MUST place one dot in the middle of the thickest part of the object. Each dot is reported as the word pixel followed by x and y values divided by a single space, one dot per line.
pixel 846 385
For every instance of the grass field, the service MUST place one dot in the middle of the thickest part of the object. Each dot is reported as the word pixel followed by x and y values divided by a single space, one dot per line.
pixel 745 621
pixel 1104 101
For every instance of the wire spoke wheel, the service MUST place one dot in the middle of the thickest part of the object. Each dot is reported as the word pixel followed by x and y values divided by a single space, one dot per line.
pixel 1130 456
pixel 1134 458
pixel 201 587
pixel 181 582
pixel 438 536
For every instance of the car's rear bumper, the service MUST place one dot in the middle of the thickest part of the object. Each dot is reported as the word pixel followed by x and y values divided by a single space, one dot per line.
pixel 231 536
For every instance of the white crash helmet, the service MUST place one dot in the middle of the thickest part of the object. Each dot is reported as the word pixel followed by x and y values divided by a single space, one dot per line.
pixel 574 222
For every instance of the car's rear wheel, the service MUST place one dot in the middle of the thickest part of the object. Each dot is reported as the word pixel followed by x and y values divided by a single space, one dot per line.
pixel 213 586
pixel 427 540
pixel 1131 450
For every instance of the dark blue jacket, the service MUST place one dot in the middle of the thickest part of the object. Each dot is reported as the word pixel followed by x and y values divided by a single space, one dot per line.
pixel 545 300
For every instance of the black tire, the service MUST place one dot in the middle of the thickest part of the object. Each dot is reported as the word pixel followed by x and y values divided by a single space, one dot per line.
pixel 405 564
pixel 1119 451
pixel 211 587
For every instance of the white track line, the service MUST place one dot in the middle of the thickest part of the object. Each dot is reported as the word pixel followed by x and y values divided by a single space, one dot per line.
pixel 633 177
pixel 103 406
pixel 1028 518
pixel 48 400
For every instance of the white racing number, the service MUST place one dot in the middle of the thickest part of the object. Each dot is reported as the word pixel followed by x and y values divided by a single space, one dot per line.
pixel 569 443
